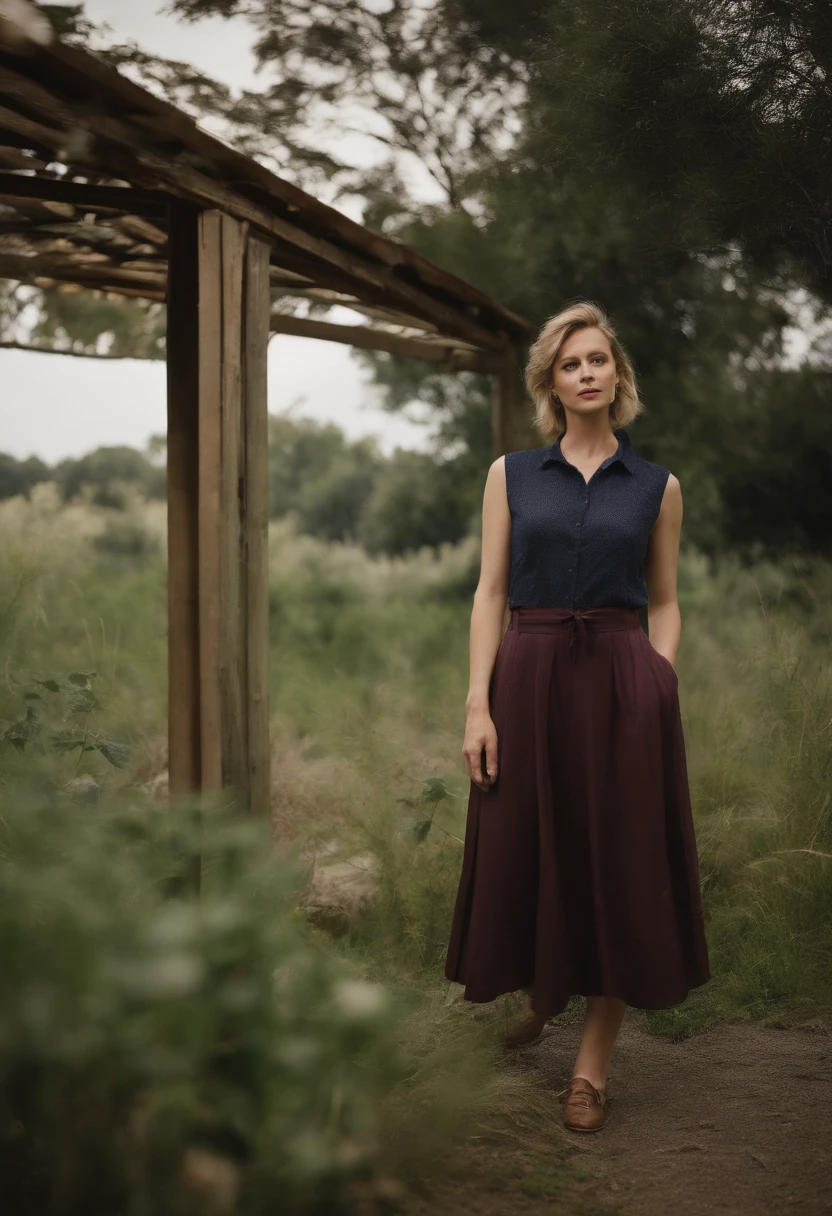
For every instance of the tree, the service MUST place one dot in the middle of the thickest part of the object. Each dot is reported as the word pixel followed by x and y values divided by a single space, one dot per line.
pixel 575 148
pixel 430 96
pixel 776 499
pixel 721 109
pixel 106 472
pixel 18 476
pixel 415 502
pixel 78 321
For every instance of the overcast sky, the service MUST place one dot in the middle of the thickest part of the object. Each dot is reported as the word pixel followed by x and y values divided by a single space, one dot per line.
pixel 55 406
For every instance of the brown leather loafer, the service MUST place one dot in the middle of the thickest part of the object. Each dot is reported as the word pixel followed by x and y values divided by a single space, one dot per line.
pixel 583 1106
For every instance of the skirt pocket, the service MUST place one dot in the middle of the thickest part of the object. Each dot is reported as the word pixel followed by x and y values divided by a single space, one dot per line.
pixel 668 666
pixel 664 665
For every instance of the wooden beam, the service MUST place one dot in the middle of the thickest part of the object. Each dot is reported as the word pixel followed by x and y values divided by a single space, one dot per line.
pixel 323 256
pixel 255 348
pixel 31 97
pixel 84 263
pixel 331 298
pixel 451 358
pixel 323 260
pixel 73 72
pixel 150 203
pixel 14 158
pixel 189 184
pixel 109 278
pixel 29 129
pixel 141 229
pixel 184 727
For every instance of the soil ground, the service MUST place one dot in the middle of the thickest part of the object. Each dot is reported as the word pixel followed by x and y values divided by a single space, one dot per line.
pixel 736 1121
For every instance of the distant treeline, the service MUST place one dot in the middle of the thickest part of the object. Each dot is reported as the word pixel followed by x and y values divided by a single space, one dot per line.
pixel 339 490
pixel 107 474
pixel 764 495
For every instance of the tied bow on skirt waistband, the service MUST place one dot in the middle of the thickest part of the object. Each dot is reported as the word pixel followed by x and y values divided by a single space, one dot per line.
pixel 577 627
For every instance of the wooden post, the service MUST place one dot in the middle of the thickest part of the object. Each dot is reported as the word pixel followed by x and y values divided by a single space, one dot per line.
pixel 209 460
pixel 221 478
pixel 184 754
pixel 222 610
pixel 255 347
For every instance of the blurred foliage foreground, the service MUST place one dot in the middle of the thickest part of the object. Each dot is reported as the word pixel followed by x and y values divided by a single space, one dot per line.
pixel 164 1054
pixel 160 1052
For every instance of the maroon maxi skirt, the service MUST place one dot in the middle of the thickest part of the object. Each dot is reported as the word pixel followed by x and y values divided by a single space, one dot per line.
pixel 579 873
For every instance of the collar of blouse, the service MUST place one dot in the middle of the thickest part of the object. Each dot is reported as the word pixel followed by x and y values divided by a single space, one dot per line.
pixel 625 453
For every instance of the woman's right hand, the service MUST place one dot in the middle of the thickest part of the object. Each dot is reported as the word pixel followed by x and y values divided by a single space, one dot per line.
pixel 480 732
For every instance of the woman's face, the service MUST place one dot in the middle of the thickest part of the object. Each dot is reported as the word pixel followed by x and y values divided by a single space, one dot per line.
pixel 584 375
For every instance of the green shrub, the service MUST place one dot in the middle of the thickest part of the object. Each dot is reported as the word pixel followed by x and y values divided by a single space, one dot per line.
pixel 164 1054
pixel 126 536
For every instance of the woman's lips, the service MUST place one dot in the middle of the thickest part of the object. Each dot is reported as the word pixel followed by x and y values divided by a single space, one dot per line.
pixel 589 392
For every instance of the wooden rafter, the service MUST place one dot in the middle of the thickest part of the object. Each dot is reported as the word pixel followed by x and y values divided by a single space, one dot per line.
pixel 125 149
pixel 366 337
pixel 85 195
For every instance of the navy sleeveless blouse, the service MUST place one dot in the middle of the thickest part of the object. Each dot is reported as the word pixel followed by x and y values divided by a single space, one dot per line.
pixel 577 545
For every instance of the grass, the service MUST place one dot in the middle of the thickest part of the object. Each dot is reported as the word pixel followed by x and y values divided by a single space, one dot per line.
pixel 368 682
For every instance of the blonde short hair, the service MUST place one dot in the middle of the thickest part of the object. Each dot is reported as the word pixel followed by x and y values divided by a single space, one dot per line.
pixel 550 418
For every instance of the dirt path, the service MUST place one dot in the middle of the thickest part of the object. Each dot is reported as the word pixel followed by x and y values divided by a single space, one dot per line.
pixel 736 1121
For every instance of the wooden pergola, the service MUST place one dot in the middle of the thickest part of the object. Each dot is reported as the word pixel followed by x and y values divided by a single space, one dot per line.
pixel 104 185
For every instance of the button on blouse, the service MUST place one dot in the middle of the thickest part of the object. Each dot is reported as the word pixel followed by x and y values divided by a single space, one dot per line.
pixel 576 544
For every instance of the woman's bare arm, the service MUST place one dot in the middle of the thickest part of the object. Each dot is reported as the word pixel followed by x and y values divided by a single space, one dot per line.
pixel 664 621
pixel 488 620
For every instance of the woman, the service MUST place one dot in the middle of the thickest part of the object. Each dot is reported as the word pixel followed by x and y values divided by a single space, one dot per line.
pixel 580 874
